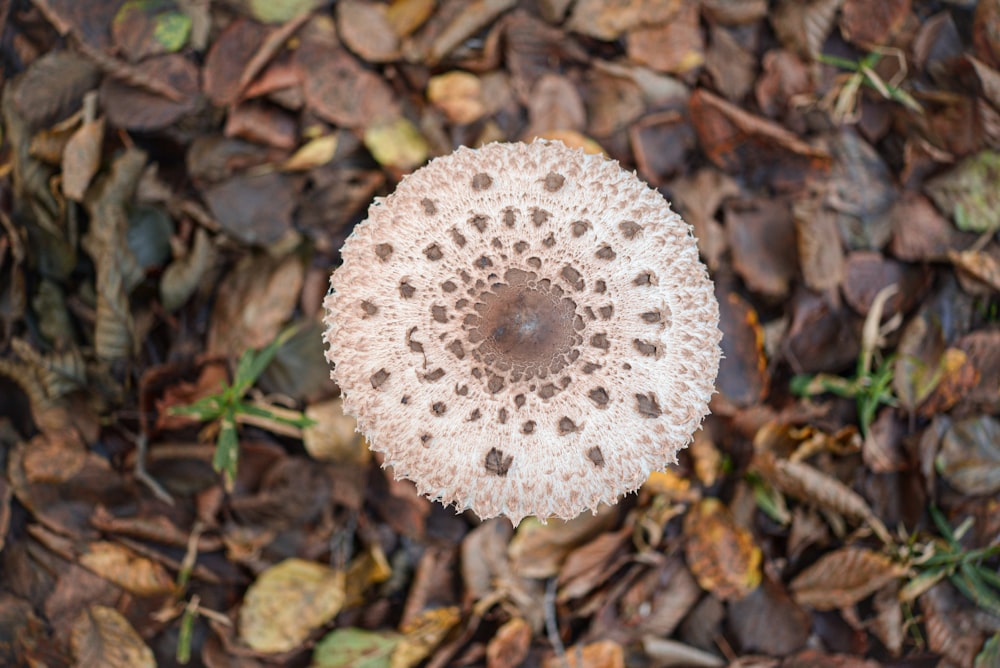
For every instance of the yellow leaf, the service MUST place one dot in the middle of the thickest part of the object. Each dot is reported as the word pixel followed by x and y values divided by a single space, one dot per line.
pixel 287 603
pixel 422 634
pixel 397 143
pixel 314 153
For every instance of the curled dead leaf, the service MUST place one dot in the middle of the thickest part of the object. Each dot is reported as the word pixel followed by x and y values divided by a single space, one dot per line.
pixel 721 554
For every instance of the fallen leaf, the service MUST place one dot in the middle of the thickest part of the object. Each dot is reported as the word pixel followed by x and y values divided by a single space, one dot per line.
pixel 721 555
pixel 101 636
pixel 970 456
pixel 397 143
pixel 608 20
pixel 315 153
pixel 128 570
pixel 509 647
pixel 422 634
pixel 844 577
pixel 968 193
pixel 458 94
pixel 82 158
pixel 600 654
pixel 287 602
pixel 354 648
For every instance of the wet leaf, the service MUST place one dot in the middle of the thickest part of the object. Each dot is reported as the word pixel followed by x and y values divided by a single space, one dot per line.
pixel 721 554
pixel 101 636
pixel 287 603
pixel 970 456
pixel 844 577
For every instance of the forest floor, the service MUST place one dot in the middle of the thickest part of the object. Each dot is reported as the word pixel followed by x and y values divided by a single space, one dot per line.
pixel 181 487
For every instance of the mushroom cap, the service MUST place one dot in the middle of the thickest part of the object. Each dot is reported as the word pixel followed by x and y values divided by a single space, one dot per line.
pixel 524 329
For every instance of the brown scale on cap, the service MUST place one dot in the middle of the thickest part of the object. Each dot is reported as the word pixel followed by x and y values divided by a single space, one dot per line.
pixel 519 318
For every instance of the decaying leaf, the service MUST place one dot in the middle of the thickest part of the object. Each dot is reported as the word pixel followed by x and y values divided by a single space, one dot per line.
pixel 133 573
pixel 970 456
pixel 844 577
pixel 721 554
pixel 809 484
pixel 101 636
pixel 355 648
pixel 287 603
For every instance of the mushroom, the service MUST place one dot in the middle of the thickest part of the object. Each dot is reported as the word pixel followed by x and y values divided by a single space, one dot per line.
pixel 524 329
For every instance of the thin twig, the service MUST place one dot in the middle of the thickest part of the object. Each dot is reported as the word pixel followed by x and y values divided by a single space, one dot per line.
pixel 551 623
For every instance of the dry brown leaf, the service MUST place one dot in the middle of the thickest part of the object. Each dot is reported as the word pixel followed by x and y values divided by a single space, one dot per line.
pixel 509 647
pixel 721 554
pixel 951 631
pixel 101 636
pixel 979 265
pixel 538 550
pixel 253 302
pixel 608 20
pixel 804 26
pixel 844 577
pixel 590 565
pixel 821 254
pixel 118 564
pixel 872 23
pixel 82 158
pixel 458 94
pixel 698 197
pixel 601 654
pixel 761 235
pixel 743 378
pixel 970 456
pixel 367 31
pixel 809 484
pixel 675 46
pixel 287 603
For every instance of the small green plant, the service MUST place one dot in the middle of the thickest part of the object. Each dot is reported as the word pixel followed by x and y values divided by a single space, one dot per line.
pixel 864 74
pixel 871 388
pixel 871 385
pixel 965 569
pixel 229 404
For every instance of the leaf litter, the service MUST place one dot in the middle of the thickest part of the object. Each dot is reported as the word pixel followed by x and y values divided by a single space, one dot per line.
pixel 181 487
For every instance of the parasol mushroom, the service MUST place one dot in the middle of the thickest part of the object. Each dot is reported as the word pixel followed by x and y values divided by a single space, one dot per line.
pixel 524 329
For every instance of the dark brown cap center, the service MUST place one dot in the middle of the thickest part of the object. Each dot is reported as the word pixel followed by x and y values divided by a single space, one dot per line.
pixel 523 325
